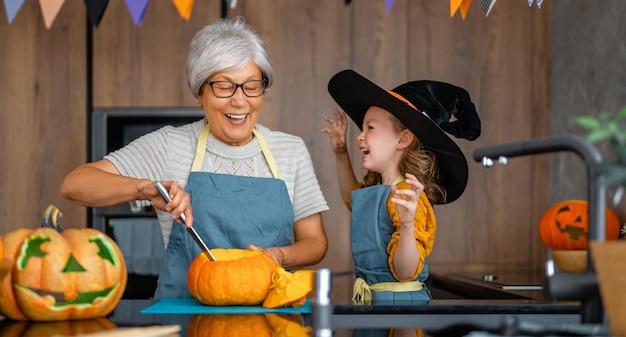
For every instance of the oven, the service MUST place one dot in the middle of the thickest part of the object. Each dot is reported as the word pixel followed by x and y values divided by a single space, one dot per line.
pixel 135 230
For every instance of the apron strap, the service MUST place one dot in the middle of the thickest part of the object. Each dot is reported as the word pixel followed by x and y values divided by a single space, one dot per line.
pixel 362 292
pixel 201 150
pixel 397 181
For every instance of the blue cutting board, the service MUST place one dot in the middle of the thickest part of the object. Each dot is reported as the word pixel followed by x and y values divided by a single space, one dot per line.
pixel 192 306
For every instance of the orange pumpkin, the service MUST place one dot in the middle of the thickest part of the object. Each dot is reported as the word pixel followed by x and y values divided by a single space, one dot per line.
pixel 565 225
pixel 75 274
pixel 238 277
pixel 59 328
pixel 257 325
pixel 228 325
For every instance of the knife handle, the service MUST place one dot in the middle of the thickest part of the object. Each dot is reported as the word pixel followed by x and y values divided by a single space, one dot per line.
pixel 166 196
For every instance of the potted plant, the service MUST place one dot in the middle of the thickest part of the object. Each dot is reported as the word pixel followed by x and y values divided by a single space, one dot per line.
pixel 610 128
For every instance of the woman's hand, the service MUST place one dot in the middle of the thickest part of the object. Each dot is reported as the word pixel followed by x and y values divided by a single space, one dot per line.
pixel 337 131
pixel 275 252
pixel 180 204
pixel 407 200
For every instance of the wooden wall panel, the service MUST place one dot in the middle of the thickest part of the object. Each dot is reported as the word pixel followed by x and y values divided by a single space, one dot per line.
pixel 145 66
pixel 502 61
pixel 42 119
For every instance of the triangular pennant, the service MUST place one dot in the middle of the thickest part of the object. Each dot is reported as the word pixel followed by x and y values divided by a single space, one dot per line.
pixel 488 5
pixel 463 5
pixel 184 8
pixel 388 4
pixel 232 3
pixel 12 7
pixel 137 9
pixel 95 9
pixel 49 10
pixel 539 3
pixel 530 3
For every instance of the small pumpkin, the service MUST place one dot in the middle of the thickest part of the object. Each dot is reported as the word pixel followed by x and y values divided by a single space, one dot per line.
pixel 565 225
pixel 75 274
pixel 238 277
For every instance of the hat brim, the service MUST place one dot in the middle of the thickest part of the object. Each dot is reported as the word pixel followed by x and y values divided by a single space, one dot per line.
pixel 355 94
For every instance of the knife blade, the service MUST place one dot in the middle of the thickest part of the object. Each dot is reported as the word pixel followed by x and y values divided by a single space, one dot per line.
pixel 166 196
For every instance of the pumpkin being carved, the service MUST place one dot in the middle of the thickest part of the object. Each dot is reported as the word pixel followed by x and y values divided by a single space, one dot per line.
pixel 246 277
pixel 75 274
pixel 565 225
pixel 238 277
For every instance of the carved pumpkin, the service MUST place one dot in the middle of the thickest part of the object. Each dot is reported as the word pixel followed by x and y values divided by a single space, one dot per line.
pixel 238 277
pixel 565 225
pixel 75 274
pixel 60 328
pixel 246 277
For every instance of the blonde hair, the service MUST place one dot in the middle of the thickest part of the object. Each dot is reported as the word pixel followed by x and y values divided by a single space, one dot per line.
pixel 417 161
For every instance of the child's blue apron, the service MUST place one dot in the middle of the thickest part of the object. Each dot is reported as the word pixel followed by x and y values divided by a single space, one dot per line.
pixel 229 212
pixel 370 232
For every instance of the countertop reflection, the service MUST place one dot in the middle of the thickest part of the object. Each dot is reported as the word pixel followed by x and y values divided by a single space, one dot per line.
pixel 340 319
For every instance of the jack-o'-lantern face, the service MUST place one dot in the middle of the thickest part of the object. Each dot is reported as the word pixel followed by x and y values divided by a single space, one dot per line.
pixel 76 274
pixel 565 225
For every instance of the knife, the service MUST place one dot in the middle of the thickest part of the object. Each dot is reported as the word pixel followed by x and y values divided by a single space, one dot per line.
pixel 166 196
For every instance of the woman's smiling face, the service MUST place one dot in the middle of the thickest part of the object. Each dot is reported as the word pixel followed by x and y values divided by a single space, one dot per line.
pixel 232 119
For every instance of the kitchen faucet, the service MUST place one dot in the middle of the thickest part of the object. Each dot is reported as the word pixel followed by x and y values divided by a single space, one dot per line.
pixel 559 285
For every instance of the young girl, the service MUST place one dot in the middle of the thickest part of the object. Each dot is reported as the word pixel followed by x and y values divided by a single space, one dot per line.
pixel 411 164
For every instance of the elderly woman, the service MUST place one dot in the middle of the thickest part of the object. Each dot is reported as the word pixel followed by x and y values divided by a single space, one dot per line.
pixel 238 183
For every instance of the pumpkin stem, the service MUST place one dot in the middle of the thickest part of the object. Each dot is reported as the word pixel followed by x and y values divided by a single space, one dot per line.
pixel 51 217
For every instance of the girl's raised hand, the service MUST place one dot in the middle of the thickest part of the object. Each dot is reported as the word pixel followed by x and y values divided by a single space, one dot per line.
pixel 337 131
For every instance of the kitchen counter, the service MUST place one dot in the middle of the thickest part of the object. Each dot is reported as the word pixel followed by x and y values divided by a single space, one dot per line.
pixel 344 319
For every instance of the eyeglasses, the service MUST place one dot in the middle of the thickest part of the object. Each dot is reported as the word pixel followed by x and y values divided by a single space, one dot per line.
pixel 226 89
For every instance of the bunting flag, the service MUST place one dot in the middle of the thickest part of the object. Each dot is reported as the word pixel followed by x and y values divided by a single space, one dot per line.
pixel 95 9
pixel 539 3
pixel 49 10
pixel 488 5
pixel 184 8
pixel 459 4
pixel 232 3
pixel 137 9
pixel 388 4
pixel 12 7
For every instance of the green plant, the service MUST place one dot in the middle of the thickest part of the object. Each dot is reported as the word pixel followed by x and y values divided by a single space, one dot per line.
pixel 611 128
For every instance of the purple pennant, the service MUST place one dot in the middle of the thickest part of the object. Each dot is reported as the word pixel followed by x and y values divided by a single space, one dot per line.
pixel 388 4
pixel 12 7
pixel 137 9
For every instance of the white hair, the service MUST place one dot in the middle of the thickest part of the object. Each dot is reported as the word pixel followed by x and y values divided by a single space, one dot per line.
pixel 226 45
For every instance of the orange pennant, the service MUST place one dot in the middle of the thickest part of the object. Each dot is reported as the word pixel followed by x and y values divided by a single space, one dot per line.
pixel 49 10
pixel 462 4
pixel 184 8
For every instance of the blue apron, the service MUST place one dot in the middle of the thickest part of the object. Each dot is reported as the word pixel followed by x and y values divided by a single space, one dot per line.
pixel 370 232
pixel 229 212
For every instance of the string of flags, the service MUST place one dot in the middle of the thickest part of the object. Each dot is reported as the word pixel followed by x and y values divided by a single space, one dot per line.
pixel 463 6
pixel 137 8
pixel 96 9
